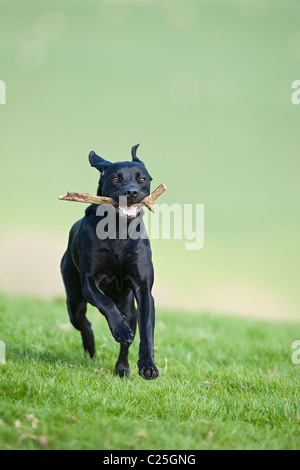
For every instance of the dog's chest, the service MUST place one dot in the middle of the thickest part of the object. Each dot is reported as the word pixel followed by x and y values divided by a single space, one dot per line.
pixel 111 269
pixel 115 288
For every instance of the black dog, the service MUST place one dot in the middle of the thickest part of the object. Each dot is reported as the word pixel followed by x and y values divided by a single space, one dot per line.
pixel 111 274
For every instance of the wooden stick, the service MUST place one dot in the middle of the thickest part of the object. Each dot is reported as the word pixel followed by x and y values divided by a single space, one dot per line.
pixel 88 198
pixel 148 201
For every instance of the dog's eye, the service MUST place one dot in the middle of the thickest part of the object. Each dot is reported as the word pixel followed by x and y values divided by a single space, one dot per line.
pixel 115 178
pixel 142 180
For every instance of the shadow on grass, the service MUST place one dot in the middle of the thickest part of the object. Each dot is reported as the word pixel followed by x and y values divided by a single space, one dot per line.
pixel 27 353
pixel 67 351
pixel 77 359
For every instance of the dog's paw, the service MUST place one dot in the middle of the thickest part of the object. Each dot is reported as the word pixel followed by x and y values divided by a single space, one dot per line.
pixel 122 370
pixel 148 370
pixel 122 332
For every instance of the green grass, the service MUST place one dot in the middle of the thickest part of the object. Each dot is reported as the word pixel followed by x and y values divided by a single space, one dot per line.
pixel 225 383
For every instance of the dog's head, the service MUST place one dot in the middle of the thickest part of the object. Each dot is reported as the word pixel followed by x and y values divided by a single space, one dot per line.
pixel 126 179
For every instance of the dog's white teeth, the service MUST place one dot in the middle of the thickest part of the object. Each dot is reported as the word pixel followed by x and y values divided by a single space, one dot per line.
pixel 129 211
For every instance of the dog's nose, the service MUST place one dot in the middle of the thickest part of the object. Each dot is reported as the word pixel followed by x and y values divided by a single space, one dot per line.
pixel 131 192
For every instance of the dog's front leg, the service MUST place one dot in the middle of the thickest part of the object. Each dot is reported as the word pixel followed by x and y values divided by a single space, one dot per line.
pixel 119 327
pixel 146 321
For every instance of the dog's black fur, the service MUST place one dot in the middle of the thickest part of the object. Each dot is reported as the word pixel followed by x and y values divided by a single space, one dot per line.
pixel 111 274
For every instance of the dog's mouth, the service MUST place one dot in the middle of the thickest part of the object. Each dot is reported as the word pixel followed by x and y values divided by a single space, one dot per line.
pixel 128 211
pixel 131 210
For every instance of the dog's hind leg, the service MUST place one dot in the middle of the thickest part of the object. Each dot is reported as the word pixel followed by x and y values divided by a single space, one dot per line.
pixel 77 313
pixel 77 304
pixel 128 310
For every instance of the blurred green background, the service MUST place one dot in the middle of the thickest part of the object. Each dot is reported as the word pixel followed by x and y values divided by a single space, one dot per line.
pixel 205 87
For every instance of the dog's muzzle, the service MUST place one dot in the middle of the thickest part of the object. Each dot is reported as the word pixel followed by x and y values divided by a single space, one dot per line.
pixel 129 211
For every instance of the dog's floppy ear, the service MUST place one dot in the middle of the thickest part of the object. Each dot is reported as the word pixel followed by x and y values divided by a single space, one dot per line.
pixel 98 162
pixel 133 153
